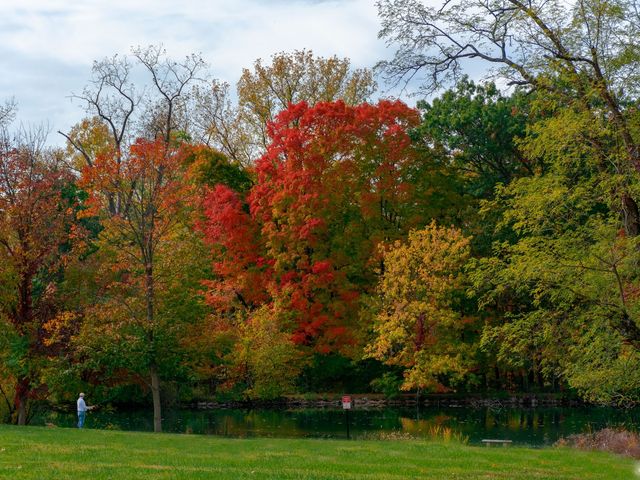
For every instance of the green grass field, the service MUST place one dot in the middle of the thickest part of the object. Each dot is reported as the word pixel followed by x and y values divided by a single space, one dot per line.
pixel 59 453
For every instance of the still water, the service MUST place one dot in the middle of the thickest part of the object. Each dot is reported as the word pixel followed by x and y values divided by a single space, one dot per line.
pixel 533 427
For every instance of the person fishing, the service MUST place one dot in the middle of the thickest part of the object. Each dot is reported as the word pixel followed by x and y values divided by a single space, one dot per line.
pixel 83 408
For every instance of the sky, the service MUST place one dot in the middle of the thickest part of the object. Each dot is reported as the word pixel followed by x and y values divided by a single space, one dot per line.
pixel 47 47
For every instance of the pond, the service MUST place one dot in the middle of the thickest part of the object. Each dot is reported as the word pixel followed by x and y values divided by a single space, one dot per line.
pixel 532 427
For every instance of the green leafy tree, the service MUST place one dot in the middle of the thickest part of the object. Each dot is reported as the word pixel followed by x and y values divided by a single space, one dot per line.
pixel 559 276
pixel 584 55
pixel 553 265
pixel 580 270
pixel 477 126
pixel 473 131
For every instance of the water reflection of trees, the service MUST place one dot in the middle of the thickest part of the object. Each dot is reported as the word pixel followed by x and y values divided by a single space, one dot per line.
pixel 525 426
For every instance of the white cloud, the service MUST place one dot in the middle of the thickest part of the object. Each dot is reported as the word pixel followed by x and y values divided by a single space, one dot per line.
pixel 48 46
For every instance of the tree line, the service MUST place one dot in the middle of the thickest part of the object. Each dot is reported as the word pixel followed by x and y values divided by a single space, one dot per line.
pixel 300 236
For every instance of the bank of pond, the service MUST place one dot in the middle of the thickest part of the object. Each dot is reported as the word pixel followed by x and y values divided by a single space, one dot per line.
pixel 534 427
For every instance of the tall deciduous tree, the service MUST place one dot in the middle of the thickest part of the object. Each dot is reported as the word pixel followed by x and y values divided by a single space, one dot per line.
pixel 295 77
pixel 578 270
pixel 122 110
pixel 141 237
pixel 583 54
pixel 335 181
pixel 37 228
pixel 570 229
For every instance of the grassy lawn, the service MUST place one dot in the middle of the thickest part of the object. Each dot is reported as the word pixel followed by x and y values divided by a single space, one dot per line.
pixel 59 453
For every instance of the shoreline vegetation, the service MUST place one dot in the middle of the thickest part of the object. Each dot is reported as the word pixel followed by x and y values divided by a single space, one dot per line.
pixel 58 453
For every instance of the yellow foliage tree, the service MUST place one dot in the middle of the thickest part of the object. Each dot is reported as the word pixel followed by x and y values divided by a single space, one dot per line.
pixel 416 326
pixel 294 77
pixel 271 360
pixel 266 89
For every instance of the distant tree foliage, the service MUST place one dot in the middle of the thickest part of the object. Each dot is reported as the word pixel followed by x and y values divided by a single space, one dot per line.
pixel 265 90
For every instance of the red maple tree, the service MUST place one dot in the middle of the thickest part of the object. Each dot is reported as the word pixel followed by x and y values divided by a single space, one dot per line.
pixel 334 182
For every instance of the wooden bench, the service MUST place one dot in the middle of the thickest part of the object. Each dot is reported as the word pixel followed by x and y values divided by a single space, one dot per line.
pixel 489 442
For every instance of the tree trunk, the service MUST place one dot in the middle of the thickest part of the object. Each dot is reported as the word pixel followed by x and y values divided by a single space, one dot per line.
pixel 631 216
pixel 21 399
pixel 153 369
pixel 420 332
pixel 155 393
pixel 22 411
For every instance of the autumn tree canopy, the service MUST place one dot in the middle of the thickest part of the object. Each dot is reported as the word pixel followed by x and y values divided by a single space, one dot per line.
pixel 241 130
pixel 38 233
pixel 336 181
pixel 416 325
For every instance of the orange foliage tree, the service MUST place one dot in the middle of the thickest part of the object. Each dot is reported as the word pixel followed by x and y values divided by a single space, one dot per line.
pixel 37 230
pixel 139 245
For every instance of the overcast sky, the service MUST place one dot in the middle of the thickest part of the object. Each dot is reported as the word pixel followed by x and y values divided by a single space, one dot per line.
pixel 47 46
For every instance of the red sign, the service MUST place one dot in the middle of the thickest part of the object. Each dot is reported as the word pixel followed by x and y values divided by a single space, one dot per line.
pixel 346 402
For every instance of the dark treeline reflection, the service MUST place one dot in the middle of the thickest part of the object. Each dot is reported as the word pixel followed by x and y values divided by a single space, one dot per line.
pixel 536 427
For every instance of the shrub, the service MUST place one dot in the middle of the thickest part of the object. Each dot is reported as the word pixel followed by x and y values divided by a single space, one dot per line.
pixel 612 440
